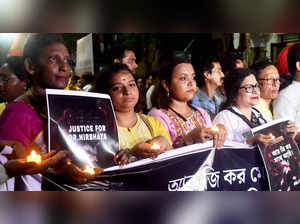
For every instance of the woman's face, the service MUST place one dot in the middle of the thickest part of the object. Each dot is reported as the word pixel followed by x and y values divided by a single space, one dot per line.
pixel 183 85
pixel 123 91
pixel 269 82
pixel 249 92
pixel 10 85
pixel 53 69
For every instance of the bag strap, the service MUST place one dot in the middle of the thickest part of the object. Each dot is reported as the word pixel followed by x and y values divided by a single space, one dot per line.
pixel 245 119
pixel 259 115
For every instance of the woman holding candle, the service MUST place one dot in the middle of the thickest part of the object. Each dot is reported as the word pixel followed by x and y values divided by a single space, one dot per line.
pixel 47 60
pixel 238 115
pixel 140 135
pixel 16 167
pixel 186 124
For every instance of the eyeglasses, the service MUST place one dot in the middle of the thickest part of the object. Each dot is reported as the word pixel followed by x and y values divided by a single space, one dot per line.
pixel 250 88
pixel 271 81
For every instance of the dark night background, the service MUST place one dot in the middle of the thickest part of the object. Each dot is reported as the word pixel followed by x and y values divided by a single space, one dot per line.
pixel 163 19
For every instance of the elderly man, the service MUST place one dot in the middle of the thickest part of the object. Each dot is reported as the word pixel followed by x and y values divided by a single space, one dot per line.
pixel 269 82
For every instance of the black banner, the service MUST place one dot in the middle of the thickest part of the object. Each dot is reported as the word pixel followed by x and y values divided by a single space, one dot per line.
pixel 237 170
pixel 227 169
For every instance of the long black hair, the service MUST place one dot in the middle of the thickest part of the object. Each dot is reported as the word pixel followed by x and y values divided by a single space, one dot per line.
pixel 102 83
pixel 160 98
pixel 232 84
pixel 16 65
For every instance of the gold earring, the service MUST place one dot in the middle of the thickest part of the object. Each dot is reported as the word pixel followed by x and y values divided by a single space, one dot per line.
pixel 168 94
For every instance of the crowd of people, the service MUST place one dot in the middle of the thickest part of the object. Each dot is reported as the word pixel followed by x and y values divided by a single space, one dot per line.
pixel 176 107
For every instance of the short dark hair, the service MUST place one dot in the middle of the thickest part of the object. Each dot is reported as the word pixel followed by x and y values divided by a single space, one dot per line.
pixel 293 57
pixel 206 66
pixel 88 77
pixel 260 66
pixel 16 65
pixel 232 84
pixel 159 97
pixel 118 51
pixel 228 60
pixel 36 43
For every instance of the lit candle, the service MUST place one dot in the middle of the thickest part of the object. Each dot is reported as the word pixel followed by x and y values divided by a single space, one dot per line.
pixel 271 135
pixel 215 128
pixel 89 170
pixel 155 146
pixel 34 157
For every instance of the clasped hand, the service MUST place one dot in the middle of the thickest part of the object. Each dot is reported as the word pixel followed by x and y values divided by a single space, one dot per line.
pixel 143 150
pixel 204 134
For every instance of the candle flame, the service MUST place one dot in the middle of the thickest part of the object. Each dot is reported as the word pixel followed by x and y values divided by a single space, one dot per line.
pixel 89 170
pixel 34 157
pixel 215 128
pixel 155 146
pixel 271 135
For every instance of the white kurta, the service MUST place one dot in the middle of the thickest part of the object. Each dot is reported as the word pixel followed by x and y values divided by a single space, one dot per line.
pixel 287 104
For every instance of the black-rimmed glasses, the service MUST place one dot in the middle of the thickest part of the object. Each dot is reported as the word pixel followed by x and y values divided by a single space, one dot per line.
pixel 250 88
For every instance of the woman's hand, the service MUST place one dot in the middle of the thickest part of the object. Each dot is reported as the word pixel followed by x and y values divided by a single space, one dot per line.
pixel 205 134
pixel 19 150
pixel 201 135
pixel 219 136
pixel 266 140
pixel 18 167
pixel 123 157
pixel 162 142
pixel 147 150
pixel 75 175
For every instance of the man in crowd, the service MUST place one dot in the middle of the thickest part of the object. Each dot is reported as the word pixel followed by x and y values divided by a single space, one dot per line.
pixel 125 55
pixel 233 59
pixel 287 104
pixel 210 78
pixel 269 82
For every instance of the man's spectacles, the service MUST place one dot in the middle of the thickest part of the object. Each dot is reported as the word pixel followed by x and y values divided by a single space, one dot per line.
pixel 250 88
pixel 271 81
